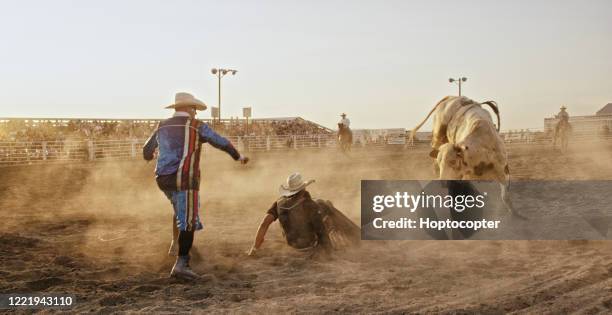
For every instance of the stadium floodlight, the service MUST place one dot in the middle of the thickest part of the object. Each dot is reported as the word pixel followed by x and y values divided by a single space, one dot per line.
pixel 458 81
pixel 220 72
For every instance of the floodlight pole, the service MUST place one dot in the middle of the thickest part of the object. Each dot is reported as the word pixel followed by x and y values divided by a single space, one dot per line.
pixel 220 72
pixel 458 80
pixel 219 95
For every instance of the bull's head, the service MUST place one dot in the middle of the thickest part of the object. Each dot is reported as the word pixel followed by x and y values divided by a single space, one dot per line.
pixel 450 161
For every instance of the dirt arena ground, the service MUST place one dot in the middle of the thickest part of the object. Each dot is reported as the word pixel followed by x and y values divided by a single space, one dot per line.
pixel 102 230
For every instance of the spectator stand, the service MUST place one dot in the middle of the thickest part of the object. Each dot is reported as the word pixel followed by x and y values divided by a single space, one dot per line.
pixel 36 141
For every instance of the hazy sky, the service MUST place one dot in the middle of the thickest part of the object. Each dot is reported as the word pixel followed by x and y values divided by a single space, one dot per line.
pixel 385 63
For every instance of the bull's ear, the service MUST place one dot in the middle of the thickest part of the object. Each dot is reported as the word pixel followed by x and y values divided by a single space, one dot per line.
pixel 434 153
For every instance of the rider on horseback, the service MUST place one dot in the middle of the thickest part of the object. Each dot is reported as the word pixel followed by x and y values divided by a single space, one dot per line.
pixel 344 121
pixel 562 129
pixel 345 136
pixel 563 117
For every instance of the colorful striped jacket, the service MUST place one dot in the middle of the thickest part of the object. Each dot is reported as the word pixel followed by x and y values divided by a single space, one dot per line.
pixel 180 140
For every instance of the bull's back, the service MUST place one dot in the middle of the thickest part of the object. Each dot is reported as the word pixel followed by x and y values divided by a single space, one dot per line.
pixel 474 120
pixel 444 114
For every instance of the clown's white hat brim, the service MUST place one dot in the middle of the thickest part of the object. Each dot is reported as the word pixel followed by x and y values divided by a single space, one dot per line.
pixel 183 99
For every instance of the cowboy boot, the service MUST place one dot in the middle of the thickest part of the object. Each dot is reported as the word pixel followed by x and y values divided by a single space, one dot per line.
pixel 181 269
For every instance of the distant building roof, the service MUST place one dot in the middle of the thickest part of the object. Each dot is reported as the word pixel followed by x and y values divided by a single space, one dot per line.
pixel 606 110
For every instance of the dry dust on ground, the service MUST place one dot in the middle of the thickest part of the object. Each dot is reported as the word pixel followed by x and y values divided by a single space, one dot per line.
pixel 101 231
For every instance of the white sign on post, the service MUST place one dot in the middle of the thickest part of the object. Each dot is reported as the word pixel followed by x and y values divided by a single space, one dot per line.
pixel 214 112
pixel 246 112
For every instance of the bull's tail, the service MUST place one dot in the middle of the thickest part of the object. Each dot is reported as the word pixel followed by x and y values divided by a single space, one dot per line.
pixel 495 109
pixel 414 131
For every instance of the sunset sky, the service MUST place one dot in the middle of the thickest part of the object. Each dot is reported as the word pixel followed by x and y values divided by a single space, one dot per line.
pixel 385 63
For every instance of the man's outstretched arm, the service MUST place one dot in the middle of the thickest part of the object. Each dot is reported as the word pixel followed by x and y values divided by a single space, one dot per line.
pixel 219 142
pixel 261 233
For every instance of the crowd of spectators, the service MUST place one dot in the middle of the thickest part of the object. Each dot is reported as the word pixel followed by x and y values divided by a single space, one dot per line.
pixel 19 130
pixel 54 139
pixel 60 130
pixel 272 127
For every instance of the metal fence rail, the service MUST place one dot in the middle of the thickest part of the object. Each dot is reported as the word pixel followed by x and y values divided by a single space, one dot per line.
pixel 37 152
pixel 18 153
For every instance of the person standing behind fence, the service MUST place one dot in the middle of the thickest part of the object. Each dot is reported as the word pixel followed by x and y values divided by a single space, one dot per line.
pixel 179 140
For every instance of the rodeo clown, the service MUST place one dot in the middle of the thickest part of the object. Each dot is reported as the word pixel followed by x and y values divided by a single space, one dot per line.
pixel 179 140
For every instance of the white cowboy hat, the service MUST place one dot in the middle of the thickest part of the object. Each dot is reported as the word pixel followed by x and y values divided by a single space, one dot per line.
pixel 183 99
pixel 343 114
pixel 563 107
pixel 294 184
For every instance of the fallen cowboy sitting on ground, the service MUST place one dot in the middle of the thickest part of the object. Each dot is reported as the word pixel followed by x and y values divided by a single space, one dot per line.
pixel 307 224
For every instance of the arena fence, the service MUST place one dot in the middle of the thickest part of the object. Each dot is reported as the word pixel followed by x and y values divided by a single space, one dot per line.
pixel 39 152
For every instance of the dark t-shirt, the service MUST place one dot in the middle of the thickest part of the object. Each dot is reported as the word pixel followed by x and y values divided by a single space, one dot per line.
pixel 305 230
pixel 308 203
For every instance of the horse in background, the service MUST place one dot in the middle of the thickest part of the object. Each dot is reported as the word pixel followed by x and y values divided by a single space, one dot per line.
pixel 561 132
pixel 345 137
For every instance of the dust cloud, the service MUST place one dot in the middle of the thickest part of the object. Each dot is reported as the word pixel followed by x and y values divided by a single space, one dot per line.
pixel 102 230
